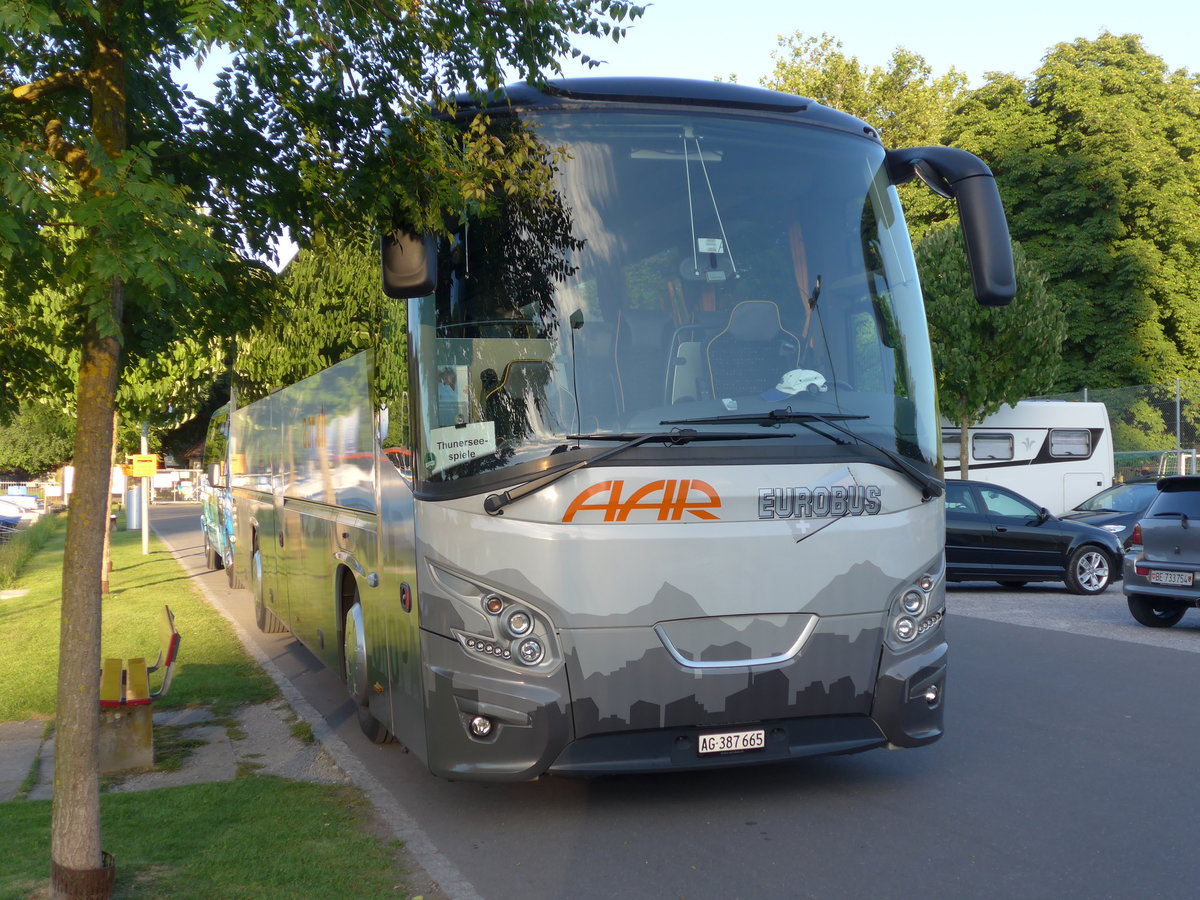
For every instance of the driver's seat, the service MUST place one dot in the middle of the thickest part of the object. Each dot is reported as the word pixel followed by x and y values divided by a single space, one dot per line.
pixel 752 351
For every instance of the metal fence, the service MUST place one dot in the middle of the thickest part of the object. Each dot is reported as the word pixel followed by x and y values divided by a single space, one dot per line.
pixel 1156 427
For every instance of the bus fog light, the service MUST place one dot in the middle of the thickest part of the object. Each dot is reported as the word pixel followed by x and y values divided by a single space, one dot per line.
pixel 932 695
pixel 481 726
pixel 913 603
pixel 518 623
pixel 531 651
pixel 905 628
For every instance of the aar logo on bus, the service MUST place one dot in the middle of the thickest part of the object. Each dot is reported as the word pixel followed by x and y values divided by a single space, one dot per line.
pixel 669 500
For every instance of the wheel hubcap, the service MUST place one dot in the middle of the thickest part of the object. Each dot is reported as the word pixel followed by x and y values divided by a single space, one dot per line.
pixel 1093 571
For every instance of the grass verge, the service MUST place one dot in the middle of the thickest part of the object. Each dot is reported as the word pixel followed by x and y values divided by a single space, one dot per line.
pixel 261 837
pixel 213 670
pixel 254 837
pixel 16 552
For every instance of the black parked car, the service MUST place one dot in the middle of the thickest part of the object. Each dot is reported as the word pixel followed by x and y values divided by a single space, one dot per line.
pixel 994 534
pixel 1117 508
pixel 1162 567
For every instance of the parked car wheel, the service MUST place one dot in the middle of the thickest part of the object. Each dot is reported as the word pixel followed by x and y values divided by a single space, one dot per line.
pixel 1089 572
pixel 1155 612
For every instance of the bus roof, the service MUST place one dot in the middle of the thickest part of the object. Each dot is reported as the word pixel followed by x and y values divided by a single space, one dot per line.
pixel 571 92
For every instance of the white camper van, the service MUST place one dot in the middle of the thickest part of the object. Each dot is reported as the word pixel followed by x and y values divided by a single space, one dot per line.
pixel 1055 452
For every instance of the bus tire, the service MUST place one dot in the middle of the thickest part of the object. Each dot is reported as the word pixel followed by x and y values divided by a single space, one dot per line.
pixel 267 621
pixel 354 655
pixel 1090 571
pixel 1154 612
pixel 212 559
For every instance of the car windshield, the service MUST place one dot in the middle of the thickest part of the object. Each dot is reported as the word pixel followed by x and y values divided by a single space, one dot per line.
pixel 1121 498
pixel 685 266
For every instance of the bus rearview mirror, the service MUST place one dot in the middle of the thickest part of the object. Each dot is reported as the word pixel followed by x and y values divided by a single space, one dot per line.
pixel 408 263
pixel 956 173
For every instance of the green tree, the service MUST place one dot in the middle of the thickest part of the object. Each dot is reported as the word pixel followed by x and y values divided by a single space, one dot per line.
pixel 909 105
pixel 904 100
pixel 1097 160
pixel 330 308
pixel 985 356
pixel 130 210
pixel 39 438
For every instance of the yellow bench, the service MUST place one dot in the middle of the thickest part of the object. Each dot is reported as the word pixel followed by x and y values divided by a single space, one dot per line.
pixel 126 722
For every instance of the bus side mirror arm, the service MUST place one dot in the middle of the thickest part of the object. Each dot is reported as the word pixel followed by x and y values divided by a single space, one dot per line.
pixel 960 175
pixel 409 264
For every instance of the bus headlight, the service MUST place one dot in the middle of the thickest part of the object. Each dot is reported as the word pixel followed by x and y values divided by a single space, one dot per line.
pixel 530 651
pixel 912 614
pixel 516 634
pixel 518 622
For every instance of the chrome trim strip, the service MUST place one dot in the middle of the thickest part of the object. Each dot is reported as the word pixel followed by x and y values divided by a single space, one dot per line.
pixel 741 663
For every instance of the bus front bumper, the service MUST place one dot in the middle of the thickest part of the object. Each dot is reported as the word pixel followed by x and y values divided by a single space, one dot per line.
pixel 530 729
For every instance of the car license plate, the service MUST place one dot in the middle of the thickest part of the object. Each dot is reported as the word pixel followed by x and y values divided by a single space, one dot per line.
pixel 733 741
pixel 1176 578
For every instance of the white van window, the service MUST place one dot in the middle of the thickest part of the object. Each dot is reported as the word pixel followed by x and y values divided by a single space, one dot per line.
pixel 1073 443
pixel 992 446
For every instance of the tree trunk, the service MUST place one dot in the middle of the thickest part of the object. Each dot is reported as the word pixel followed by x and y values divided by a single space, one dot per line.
pixel 106 565
pixel 75 819
pixel 964 448
pixel 75 828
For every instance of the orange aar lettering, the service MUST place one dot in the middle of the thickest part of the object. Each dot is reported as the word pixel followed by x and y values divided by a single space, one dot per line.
pixel 669 498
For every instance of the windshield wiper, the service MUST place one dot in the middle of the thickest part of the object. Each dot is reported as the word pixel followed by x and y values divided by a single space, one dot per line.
pixel 494 503
pixel 930 486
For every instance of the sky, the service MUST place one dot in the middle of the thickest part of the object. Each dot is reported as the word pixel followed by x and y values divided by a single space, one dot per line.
pixel 710 38
pixel 718 38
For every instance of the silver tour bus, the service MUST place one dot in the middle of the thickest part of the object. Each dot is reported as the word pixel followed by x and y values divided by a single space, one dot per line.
pixel 645 474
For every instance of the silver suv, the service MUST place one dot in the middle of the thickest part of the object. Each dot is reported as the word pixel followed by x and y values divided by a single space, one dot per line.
pixel 1162 566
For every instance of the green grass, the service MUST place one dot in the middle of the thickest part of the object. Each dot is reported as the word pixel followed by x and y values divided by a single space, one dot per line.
pixel 213 670
pixel 254 837
pixel 260 837
pixel 16 552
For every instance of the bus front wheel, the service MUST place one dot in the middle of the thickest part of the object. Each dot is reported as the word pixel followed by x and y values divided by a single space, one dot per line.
pixel 354 652
pixel 267 621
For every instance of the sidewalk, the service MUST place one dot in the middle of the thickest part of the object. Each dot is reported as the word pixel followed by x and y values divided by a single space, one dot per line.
pixel 256 739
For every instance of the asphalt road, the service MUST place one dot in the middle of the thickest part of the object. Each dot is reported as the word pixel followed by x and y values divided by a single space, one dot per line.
pixel 1063 773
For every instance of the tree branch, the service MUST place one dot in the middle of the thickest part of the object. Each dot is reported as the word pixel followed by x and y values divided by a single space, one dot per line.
pixel 64 151
pixel 46 86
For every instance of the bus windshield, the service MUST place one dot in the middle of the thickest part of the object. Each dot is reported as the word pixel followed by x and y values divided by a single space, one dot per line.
pixel 685 266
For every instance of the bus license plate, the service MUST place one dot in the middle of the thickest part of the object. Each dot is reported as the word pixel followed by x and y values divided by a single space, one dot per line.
pixel 1177 578
pixel 733 741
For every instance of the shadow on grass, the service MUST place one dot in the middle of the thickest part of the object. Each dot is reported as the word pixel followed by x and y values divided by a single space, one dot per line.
pixel 22 606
